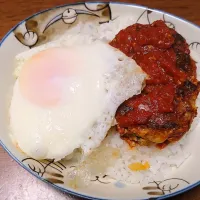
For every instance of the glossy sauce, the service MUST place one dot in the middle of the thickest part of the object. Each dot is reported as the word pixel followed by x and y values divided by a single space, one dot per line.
pixel 150 46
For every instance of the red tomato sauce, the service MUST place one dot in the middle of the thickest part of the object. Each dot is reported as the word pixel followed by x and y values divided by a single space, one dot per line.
pixel 150 46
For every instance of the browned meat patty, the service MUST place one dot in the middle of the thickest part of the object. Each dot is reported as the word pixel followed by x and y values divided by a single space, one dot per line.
pixel 165 109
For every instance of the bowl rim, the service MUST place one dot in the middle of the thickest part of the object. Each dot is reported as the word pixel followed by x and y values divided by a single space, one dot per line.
pixel 73 192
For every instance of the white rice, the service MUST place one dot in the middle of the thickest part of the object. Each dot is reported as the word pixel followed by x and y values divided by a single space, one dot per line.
pixel 105 32
pixel 162 162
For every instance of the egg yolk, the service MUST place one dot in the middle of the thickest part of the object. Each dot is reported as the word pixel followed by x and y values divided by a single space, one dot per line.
pixel 41 80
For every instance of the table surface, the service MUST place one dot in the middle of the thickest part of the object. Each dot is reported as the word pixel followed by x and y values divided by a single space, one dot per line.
pixel 15 182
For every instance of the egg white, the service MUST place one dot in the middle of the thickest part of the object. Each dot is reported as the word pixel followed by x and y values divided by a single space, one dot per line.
pixel 83 120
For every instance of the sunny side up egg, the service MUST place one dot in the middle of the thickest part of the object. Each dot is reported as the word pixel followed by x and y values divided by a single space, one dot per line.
pixel 65 96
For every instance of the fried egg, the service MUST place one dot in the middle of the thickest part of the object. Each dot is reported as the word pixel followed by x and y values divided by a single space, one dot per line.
pixel 65 96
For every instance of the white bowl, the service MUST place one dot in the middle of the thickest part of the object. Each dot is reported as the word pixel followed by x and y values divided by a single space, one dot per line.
pixel 41 28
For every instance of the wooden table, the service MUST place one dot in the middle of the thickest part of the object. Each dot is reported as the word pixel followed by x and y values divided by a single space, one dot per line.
pixel 15 182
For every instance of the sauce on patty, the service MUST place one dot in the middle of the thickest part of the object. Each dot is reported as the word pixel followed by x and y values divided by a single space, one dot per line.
pixel 164 55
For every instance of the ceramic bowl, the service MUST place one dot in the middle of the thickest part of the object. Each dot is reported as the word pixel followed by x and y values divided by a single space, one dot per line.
pixel 40 28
